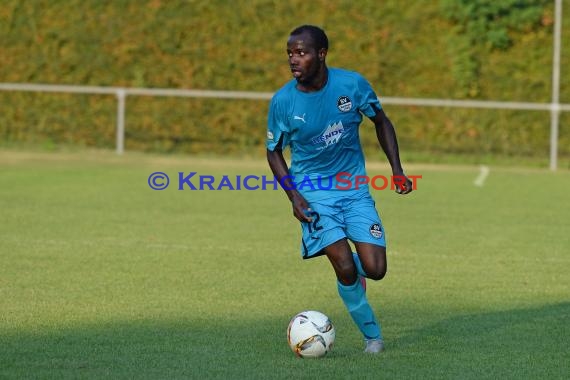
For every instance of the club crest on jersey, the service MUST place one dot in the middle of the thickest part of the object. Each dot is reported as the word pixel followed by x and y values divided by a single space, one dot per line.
pixel 331 135
pixel 376 231
pixel 344 103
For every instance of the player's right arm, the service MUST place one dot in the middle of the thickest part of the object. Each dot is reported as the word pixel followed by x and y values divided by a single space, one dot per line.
pixel 281 172
pixel 278 133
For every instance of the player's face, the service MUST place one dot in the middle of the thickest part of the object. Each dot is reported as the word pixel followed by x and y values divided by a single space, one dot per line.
pixel 305 61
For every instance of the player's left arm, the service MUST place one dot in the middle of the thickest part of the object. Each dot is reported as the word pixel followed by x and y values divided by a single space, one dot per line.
pixel 386 135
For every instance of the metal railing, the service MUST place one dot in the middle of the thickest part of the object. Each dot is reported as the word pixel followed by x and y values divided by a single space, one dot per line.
pixel 121 93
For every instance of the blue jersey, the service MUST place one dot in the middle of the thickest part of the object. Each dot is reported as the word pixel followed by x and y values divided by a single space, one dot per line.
pixel 321 129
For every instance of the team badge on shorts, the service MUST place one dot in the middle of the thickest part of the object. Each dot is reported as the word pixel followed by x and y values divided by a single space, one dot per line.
pixel 376 231
pixel 344 103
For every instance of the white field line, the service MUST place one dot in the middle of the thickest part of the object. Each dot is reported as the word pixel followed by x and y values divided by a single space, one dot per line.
pixel 483 174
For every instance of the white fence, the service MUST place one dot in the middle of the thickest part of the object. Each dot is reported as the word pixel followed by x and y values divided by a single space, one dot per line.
pixel 121 93
pixel 555 107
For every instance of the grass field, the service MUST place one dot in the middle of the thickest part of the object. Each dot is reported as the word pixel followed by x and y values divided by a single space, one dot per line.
pixel 102 277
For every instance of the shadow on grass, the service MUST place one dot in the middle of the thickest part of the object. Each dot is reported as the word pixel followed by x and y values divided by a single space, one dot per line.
pixel 203 349
pixel 524 343
pixel 520 343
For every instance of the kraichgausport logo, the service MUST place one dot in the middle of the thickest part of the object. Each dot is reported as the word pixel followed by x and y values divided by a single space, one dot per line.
pixel 339 181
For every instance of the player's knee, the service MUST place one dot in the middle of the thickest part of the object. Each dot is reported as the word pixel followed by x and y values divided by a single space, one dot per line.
pixel 377 274
pixel 346 273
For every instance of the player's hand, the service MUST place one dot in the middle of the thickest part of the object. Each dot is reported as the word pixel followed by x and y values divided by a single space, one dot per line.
pixel 300 208
pixel 402 184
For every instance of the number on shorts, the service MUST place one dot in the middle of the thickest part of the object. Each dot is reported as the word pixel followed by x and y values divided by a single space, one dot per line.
pixel 313 225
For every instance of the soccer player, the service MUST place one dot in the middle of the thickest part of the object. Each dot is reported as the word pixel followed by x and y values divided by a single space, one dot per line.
pixel 317 115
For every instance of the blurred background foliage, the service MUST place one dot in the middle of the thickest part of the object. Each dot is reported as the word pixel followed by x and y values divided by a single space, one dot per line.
pixel 460 49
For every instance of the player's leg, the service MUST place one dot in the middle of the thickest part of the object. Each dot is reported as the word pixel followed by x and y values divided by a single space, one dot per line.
pixel 364 228
pixel 351 290
pixel 358 264
pixel 326 235
pixel 340 256
pixel 372 259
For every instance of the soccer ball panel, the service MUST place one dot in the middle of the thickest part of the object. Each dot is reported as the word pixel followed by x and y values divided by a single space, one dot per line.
pixel 310 334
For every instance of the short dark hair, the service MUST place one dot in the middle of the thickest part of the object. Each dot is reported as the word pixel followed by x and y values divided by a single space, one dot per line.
pixel 318 35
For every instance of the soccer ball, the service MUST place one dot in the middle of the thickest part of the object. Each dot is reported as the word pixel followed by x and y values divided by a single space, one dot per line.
pixel 310 334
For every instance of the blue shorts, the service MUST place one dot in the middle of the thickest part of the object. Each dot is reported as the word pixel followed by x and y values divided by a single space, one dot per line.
pixel 338 218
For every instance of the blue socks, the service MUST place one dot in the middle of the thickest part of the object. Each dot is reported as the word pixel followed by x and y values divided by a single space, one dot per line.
pixel 354 299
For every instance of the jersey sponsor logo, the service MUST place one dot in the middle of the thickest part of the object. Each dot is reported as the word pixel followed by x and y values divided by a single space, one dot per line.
pixel 344 104
pixel 331 135
pixel 302 118
pixel 376 230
